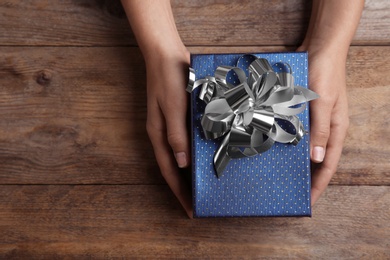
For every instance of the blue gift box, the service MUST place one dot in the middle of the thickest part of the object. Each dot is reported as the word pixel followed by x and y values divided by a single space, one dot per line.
pixel 272 183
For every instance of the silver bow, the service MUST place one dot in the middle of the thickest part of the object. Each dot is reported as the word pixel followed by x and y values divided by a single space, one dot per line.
pixel 251 113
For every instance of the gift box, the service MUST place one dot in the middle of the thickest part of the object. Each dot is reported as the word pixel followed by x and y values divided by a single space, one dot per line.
pixel 274 182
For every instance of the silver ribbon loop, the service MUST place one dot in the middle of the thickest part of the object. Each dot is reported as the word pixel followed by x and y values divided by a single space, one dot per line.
pixel 250 114
pixel 263 119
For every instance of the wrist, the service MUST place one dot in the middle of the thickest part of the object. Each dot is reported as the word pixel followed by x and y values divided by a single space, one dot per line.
pixel 331 49
pixel 163 52
pixel 154 27
pixel 164 47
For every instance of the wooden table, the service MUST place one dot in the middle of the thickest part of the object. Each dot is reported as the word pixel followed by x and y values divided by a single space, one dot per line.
pixel 78 178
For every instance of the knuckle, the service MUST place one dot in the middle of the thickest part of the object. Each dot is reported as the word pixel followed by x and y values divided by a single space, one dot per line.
pixel 174 104
pixel 328 171
pixel 346 124
pixel 342 124
pixel 327 174
pixel 324 101
pixel 316 188
pixel 151 129
pixel 322 133
pixel 175 140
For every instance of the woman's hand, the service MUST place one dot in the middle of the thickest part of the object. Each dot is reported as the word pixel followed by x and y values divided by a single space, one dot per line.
pixel 332 26
pixel 166 121
pixel 167 61
pixel 329 115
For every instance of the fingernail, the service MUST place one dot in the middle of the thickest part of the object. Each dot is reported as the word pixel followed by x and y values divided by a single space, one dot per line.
pixel 181 159
pixel 318 154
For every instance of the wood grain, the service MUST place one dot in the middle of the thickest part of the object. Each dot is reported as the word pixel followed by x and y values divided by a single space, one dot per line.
pixel 77 115
pixel 208 23
pixel 78 178
pixel 367 147
pixel 74 115
pixel 64 23
pixel 82 221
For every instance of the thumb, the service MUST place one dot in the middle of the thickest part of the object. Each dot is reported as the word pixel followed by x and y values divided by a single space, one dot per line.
pixel 320 115
pixel 177 134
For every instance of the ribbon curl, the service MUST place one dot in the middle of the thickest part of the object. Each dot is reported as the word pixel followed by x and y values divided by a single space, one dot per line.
pixel 250 114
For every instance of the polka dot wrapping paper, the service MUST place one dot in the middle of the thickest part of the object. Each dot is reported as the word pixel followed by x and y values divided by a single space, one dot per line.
pixel 272 183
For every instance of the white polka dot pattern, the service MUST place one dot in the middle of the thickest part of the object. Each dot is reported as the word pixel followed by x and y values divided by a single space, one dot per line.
pixel 273 183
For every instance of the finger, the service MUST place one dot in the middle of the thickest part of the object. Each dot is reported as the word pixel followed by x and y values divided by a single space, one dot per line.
pixel 320 115
pixel 172 176
pixel 164 157
pixel 325 171
pixel 175 112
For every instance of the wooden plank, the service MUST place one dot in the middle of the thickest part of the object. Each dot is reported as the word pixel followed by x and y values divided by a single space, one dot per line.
pixel 77 115
pixel 223 23
pixel 64 23
pixel 239 23
pixel 374 24
pixel 74 115
pixel 367 146
pixel 96 221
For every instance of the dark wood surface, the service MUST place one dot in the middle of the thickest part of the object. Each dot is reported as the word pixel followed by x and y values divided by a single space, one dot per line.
pixel 78 178
pixel 200 22
pixel 76 115
pixel 108 221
